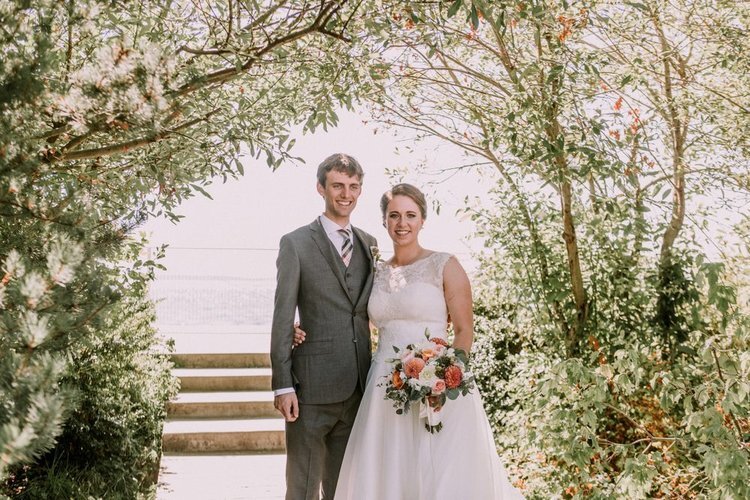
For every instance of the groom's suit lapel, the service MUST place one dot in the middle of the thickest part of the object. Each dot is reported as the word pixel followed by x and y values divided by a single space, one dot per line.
pixel 326 248
pixel 367 251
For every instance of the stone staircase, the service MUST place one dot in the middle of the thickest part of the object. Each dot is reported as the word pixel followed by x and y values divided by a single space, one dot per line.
pixel 225 405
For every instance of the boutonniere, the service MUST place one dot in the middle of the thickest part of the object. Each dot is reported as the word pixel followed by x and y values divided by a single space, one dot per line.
pixel 375 252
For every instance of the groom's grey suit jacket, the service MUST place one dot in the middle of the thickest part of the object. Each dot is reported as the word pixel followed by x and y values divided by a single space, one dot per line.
pixel 311 278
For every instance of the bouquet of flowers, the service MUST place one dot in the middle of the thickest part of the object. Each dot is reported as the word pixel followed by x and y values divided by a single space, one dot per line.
pixel 427 373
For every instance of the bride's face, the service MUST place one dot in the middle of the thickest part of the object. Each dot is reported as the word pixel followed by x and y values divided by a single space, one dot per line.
pixel 403 220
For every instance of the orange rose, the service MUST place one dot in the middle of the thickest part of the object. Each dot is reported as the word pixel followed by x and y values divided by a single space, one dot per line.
pixel 414 367
pixel 439 341
pixel 398 382
pixel 453 376
pixel 427 354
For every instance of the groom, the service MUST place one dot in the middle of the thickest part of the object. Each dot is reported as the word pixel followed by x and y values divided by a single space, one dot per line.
pixel 325 272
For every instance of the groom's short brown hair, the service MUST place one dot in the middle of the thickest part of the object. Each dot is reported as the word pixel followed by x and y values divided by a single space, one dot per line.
pixel 341 163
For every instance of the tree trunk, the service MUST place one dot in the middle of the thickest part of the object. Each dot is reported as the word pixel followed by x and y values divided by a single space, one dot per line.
pixel 678 208
pixel 575 332
pixel 574 266
pixel 670 271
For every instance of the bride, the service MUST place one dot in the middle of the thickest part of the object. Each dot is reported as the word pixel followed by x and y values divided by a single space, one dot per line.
pixel 392 456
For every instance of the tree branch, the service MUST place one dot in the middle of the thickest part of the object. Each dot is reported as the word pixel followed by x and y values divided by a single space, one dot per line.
pixel 125 146
pixel 227 74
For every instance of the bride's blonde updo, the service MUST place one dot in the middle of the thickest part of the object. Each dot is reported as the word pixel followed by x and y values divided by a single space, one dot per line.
pixel 404 190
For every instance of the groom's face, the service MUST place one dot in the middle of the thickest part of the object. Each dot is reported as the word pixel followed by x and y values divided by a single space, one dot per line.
pixel 340 193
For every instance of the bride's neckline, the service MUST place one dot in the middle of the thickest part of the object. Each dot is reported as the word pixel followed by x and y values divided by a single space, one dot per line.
pixel 398 266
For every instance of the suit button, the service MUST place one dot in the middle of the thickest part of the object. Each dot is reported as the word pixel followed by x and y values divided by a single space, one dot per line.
pixel 354 340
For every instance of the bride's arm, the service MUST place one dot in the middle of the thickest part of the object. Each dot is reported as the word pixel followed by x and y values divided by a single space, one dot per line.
pixel 457 290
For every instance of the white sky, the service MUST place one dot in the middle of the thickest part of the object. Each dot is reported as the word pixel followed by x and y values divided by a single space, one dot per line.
pixel 256 210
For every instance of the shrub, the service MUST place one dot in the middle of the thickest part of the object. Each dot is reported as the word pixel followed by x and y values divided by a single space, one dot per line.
pixel 111 441
pixel 624 418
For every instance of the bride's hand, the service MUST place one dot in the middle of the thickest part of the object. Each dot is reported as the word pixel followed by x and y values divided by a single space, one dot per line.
pixel 299 336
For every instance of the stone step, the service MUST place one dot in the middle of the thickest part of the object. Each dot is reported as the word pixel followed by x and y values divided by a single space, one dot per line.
pixel 222 360
pixel 224 436
pixel 201 405
pixel 223 379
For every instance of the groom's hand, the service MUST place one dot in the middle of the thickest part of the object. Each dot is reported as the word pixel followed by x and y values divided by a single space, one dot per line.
pixel 288 405
pixel 299 336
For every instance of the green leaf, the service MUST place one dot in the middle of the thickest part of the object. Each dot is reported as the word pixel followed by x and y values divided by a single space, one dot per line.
pixel 589 419
pixel 454 8
pixel 201 190
pixel 500 21
pixel 474 17
pixel 637 5
pixel 687 350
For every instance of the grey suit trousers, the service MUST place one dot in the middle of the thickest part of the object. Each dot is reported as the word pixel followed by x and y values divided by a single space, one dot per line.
pixel 315 447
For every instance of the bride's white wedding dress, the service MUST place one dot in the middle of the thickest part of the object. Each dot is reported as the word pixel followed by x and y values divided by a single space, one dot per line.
pixel 393 457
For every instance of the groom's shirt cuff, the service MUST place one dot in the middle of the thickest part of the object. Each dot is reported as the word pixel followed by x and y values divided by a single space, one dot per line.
pixel 285 390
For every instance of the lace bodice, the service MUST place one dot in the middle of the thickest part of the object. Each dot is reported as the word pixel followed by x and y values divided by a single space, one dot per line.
pixel 406 300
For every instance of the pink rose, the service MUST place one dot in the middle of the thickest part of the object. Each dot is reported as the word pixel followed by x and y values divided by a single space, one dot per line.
pixel 438 387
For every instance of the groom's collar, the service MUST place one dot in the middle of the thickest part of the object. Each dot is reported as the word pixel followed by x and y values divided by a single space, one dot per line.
pixel 331 227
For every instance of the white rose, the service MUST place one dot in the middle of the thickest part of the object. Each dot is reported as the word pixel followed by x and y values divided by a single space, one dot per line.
pixel 428 376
